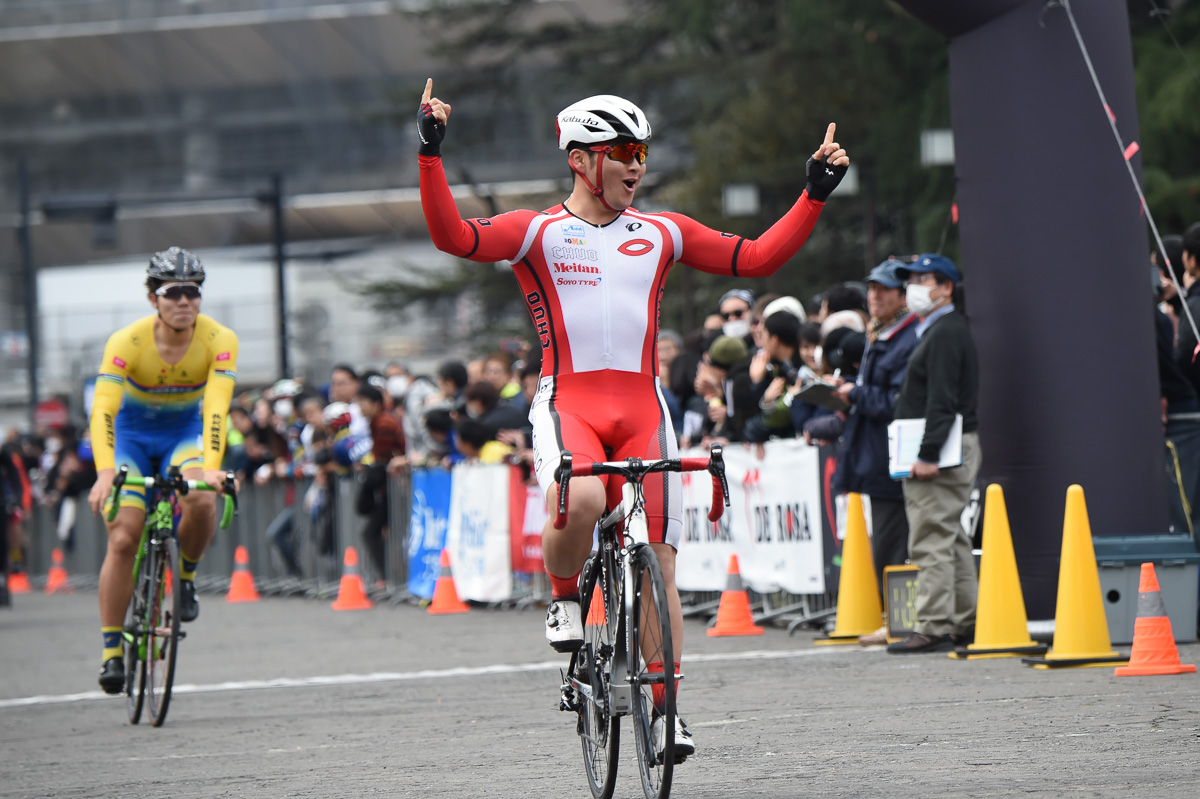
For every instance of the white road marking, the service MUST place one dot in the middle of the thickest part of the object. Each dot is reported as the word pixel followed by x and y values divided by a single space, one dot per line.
pixel 403 676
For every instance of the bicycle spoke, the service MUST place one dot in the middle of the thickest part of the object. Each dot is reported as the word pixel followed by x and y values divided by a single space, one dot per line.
pixel 654 691
pixel 599 730
pixel 135 665
pixel 162 627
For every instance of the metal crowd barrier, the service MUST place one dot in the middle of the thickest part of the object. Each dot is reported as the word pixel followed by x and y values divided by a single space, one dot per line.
pixel 319 538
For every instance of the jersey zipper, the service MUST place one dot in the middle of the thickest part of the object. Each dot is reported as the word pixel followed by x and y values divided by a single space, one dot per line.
pixel 606 322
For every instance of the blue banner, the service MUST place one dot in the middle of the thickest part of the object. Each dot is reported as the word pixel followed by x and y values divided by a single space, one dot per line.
pixel 427 528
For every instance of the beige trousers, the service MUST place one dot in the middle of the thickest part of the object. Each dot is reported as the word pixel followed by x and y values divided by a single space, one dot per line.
pixel 948 585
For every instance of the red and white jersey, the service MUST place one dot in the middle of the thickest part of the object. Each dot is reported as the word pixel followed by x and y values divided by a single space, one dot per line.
pixel 594 291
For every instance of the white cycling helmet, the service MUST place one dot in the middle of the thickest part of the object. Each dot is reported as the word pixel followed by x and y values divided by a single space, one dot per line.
pixel 599 119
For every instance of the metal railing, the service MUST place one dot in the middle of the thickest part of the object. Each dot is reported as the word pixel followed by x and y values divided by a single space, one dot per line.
pixel 318 536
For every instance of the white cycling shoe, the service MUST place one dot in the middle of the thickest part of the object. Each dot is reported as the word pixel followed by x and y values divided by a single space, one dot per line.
pixel 564 625
pixel 684 747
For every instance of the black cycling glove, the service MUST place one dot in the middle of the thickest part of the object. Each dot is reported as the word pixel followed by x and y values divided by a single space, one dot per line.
pixel 430 131
pixel 823 178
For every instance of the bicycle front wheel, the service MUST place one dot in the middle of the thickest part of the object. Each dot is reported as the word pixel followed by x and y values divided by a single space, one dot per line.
pixel 653 690
pixel 162 626
pixel 590 672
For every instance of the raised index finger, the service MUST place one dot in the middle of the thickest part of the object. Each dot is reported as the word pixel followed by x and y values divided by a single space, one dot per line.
pixel 428 91
pixel 828 132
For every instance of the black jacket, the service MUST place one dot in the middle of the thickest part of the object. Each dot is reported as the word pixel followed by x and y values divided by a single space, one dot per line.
pixel 942 380
pixel 863 455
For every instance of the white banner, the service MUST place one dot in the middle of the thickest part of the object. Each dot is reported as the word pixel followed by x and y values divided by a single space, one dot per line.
pixel 773 523
pixel 478 536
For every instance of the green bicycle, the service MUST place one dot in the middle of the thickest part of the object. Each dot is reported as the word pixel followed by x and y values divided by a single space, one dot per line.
pixel 152 630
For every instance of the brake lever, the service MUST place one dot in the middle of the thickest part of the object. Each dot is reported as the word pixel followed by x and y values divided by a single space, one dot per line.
pixel 562 476
pixel 716 467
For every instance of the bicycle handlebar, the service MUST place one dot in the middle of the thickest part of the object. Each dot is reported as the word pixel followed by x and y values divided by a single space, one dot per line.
pixel 636 469
pixel 175 482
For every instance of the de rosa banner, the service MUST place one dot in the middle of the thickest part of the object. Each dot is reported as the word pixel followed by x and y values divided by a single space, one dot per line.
pixel 427 528
pixel 773 523
pixel 478 536
pixel 527 517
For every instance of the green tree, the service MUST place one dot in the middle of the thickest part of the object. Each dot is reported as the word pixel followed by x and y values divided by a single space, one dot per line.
pixel 744 89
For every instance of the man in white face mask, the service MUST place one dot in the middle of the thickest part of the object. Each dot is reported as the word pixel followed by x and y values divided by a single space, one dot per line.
pixel 941 382
pixel 735 308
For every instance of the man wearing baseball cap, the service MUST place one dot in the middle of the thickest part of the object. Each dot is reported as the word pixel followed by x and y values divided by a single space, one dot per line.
pixel 942 381
pixel 863 457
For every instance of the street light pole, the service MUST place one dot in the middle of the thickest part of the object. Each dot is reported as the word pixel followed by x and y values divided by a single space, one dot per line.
pixel 31 298
pixel 278 237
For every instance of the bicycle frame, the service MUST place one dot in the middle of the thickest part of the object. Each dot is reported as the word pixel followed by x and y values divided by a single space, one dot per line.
pixel 633 512
pixel 616 548
pixel 161 520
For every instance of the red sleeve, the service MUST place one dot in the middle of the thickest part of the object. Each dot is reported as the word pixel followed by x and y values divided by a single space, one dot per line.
pixel 726 254
pixel 496 239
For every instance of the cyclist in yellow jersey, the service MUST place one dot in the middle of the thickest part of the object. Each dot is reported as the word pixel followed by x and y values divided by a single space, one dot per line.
pixel 162 398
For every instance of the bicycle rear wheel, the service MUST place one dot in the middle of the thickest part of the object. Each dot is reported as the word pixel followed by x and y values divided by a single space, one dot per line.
pixel 162 625
pixel 135 663
pixel 590 671
pixel 650 642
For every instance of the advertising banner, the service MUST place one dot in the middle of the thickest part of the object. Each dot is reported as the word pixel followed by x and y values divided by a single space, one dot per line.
pixel 427 528
pixel 478 536
pixel 773 525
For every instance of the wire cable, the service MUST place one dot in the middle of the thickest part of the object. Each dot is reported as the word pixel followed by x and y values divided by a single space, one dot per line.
pixel 1127 152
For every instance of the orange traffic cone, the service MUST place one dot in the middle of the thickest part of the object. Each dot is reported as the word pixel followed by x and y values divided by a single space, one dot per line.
pixel 1154 650
pixel 351 595
pixel 18 583
pixel 241 584
pixel 445 595
pixel 733 614
pixel 596 616
pixel 57 581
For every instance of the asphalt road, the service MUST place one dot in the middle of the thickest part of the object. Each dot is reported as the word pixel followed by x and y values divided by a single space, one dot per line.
pixel 287 698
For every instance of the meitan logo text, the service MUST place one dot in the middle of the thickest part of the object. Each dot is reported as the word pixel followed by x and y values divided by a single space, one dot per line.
pixel 578 268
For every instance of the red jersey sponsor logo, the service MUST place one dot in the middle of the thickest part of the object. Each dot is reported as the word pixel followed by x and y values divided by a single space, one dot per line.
pixel 591 270
pixel 636 247
pixel 224 356
pixel 119 362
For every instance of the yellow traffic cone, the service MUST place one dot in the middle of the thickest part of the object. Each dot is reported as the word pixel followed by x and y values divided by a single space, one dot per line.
pixel 858 608
pixel 1080 627
pixel 1001 626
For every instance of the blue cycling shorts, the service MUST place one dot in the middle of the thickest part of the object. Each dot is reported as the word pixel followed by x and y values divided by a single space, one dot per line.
pixel 138 448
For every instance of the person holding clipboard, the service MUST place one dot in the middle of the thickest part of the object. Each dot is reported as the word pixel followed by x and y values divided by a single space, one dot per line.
pixel 941 387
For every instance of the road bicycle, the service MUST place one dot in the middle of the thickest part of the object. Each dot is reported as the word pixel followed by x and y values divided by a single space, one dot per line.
pixel 627 627
pixel 151 631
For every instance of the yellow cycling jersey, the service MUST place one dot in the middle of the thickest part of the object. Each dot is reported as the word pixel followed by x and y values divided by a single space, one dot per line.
pixel 137 390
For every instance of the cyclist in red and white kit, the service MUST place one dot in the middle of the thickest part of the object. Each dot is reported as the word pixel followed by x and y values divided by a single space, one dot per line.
pixel 592 271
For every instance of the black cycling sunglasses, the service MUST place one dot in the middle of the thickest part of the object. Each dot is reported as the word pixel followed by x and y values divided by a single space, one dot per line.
pixel 177 291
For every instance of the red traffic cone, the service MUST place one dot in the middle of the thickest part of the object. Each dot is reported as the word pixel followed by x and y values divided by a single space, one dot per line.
pixel 241 584
pixel 1154 650
pixel 351 595
pixel 57 581
pixel 733 614
pixel 445 595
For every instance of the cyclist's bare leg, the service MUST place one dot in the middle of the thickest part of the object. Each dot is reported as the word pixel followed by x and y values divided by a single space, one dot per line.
pixel 565 550
pixel 116 574
pixel 198 520
pixel 666 561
